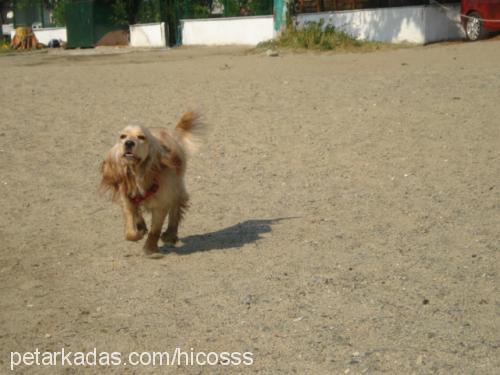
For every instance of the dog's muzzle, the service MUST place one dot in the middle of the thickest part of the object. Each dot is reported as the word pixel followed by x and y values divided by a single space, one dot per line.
pixel 128 147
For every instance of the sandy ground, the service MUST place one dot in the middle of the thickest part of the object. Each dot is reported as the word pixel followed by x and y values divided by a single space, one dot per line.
pixel 344 219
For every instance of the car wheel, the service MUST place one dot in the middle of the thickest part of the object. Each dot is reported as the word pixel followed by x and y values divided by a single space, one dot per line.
pixel 474 29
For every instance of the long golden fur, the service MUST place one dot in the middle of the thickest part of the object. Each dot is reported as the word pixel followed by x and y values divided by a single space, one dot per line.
pixel 145 170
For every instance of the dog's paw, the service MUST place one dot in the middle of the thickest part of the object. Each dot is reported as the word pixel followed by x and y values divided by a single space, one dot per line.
pixel 169 239
pixel 150 249
pixel 134 236
pixel 151 245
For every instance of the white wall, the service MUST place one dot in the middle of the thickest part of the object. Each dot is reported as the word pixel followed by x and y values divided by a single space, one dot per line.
pixel 443 24
pixel 45 35
pixel 7 29
pixel 148 35
pixel 415 24
pixel 223 31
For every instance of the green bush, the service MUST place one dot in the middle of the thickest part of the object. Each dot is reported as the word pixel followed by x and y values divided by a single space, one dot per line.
pixel 201 11
pixel 4 45
pixel 233 8
pixel 149 12
pixel 59 12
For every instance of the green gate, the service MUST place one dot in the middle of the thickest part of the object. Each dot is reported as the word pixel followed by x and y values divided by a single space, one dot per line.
pixel 80 24
pixel 87 21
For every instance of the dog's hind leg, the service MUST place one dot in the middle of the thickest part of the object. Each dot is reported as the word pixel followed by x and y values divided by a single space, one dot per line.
pixel 175 215
pixel 157 218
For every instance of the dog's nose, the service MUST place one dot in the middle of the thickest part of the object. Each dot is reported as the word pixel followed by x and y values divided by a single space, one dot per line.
pixel 129 144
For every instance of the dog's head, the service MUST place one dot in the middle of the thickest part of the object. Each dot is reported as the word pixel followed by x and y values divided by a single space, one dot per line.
pixel 139 154
pixel 135 144
pixel 135 151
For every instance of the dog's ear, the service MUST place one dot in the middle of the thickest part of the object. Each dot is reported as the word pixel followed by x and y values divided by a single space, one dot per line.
pixel 111 174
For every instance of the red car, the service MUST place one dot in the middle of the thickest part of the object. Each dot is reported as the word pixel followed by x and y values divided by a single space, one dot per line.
pixel 479 17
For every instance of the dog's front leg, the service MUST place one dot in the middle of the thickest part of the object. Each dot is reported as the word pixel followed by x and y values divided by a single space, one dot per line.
pixel 141 225
pixel 135 228
pixel 157 218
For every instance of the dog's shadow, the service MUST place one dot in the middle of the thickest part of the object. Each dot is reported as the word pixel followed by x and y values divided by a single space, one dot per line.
pixel 235 236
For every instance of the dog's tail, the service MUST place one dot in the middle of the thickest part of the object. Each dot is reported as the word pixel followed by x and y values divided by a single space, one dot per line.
pixel 189 130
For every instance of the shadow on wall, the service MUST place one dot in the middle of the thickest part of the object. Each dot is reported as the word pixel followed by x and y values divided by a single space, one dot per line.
pixel 235 236
pixel 413 24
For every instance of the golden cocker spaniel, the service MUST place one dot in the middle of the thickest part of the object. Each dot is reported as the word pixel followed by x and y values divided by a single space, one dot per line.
pixel 145 171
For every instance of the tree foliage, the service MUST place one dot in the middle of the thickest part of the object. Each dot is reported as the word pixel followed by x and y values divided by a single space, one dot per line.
pixel 125 11
pixel 4 6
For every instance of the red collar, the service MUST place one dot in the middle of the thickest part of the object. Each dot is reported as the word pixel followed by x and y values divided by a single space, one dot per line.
pixel 137 200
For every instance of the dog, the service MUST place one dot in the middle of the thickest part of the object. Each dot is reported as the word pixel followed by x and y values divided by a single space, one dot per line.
pixel 145 170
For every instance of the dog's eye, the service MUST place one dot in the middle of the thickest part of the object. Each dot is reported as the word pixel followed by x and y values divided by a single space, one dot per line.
pixel 123 136
pixel 141 137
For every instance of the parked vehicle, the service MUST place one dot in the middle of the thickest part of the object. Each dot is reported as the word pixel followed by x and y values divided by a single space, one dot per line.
pixel 480 17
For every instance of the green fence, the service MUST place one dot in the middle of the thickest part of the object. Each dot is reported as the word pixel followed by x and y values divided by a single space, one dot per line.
pixel 87 21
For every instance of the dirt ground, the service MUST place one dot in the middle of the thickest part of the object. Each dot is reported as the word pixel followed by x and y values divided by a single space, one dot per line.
pixel 344 210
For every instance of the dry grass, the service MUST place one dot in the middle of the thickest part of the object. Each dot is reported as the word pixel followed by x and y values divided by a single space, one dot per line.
pixel 319 37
